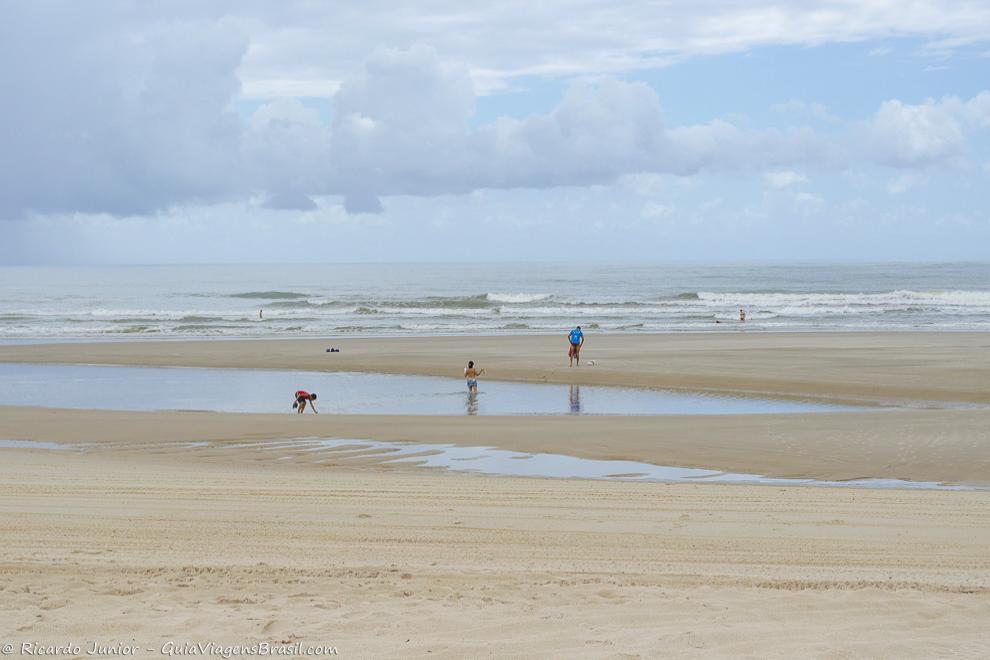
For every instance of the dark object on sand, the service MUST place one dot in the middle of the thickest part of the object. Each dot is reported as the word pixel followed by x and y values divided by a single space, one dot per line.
pixel 333 350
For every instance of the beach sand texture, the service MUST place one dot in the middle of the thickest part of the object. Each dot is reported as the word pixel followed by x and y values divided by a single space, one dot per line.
pixel 142 538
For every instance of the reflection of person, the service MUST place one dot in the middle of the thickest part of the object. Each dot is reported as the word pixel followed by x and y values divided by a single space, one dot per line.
pixel 472 402
pixel 576 339
pixel 471 376
pixel 575 397
pixel 302 398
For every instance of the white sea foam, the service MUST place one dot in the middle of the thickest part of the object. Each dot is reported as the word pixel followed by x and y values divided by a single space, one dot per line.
pixel 517 298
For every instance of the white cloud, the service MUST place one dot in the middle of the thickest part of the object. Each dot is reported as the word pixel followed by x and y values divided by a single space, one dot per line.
pixel 904 135
pixel 97 117
pixel 314 45
pixel 902 182
pixel 128 113
pixel 655 210
pixel 785 178
pixel 808 198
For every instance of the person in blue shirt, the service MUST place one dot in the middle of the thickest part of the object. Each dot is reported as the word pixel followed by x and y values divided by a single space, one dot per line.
pixel 576 339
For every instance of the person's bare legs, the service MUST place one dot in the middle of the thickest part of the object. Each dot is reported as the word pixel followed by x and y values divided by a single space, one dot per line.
pixel 302 407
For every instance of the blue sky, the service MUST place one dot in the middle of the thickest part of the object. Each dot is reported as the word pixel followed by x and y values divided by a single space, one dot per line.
pixel 710 130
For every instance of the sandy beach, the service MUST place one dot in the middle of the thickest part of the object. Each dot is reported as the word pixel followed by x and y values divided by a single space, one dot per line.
pixel 288 293
pixel 141 537
pixel 153 547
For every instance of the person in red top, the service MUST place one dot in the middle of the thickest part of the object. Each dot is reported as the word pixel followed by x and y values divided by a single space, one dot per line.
pixel 302 398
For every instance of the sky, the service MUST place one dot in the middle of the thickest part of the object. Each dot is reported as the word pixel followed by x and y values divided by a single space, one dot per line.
pixel 300 131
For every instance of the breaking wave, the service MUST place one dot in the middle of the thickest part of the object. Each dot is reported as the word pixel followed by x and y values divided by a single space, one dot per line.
pixel 269 295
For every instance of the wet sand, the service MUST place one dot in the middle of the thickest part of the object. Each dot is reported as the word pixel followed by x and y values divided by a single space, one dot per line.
pixel 951 446
pixel 873 366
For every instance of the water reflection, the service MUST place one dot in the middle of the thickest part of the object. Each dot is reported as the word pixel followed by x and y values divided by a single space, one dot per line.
pixel 472 402
pixel 575 397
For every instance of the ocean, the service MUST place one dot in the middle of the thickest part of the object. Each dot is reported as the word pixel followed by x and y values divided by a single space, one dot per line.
pixel 187 301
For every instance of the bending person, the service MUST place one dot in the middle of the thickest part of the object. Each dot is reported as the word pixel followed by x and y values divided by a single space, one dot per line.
pixel 302 398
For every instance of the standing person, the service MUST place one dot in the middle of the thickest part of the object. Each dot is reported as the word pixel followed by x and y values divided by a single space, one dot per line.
pixel 576 339
pixel 742 315
pixel 471 376
pixel 302 398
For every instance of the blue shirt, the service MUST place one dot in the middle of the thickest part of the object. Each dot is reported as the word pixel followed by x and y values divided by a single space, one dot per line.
pixel 576 336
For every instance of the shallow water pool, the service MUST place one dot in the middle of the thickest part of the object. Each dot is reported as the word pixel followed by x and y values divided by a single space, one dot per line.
pixel 253 390
pixel 503 462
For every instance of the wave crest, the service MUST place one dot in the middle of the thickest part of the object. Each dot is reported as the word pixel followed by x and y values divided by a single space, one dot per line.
pixel 270 295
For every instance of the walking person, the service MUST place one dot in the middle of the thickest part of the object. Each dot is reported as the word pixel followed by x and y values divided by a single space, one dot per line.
pixel 576 339
pixel 471 375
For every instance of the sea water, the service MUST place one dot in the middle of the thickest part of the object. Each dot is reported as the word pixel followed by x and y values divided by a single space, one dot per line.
pixel 55 303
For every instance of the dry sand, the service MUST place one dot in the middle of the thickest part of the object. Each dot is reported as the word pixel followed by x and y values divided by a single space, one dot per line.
pixel 140 538
pixel 154 547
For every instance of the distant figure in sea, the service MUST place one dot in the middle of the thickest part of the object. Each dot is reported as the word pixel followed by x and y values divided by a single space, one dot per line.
pixel 742 315
pixel 576 340
pixel 260 313
pixel 302 398
pixel 471 376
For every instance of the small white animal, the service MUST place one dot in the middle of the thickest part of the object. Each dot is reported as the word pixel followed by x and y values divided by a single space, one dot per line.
pixel 591 363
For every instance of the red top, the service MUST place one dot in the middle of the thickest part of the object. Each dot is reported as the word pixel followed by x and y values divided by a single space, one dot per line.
pixel 302 394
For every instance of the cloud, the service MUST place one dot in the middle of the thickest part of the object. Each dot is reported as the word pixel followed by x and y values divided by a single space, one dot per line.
pixel 922 135
pixel 304 48
pixel 784 178
pixel 807 198
pixel 902 183
pixel 101 114
pixel 290 201
pixel 119 109
pixel 655 210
